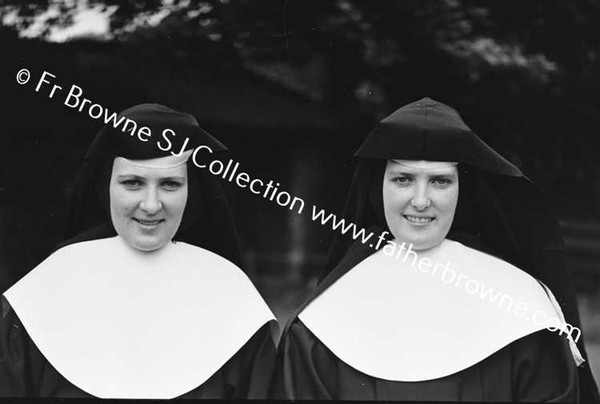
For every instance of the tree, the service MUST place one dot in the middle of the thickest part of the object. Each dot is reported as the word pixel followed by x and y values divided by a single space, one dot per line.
pixel 525 75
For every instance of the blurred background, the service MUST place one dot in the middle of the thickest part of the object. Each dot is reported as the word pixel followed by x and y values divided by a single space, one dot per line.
pixel 292 87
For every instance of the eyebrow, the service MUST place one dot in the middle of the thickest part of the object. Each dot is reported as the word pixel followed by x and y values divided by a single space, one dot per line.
pixel 169 178
pixel 173 178
pixel 447 163
pixel 123 176
pixel 437 173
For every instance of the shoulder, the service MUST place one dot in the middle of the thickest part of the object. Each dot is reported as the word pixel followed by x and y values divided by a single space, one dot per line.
pixel 192 251
pixel 98 232
pixel 543 369
pixel 483 270
pixel 209 263
pixel 76 254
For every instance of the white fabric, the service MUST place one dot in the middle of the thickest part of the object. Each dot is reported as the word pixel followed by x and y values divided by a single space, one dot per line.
pixel 395 321
pixel 120 323
pixel 577 357
pixel 426 164
pixel 169 161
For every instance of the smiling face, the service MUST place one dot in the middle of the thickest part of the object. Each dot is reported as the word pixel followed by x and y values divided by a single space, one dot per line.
pixel 419 200
pixel 147 203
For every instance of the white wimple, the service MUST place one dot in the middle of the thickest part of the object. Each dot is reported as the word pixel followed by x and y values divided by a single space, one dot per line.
pixel 162 162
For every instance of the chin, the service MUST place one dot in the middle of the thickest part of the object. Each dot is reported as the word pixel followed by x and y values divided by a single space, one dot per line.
pixel 422 246
pixel 419 244
pixel 147 246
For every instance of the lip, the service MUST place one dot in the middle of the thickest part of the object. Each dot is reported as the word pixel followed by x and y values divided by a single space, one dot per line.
pixel 419 220
pixel 148 223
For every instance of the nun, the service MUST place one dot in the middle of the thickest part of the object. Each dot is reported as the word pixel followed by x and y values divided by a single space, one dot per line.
pixel 449 294
pixel 146 299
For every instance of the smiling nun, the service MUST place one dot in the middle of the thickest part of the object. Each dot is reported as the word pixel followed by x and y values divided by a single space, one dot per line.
pixel 411 314
pixel 146 299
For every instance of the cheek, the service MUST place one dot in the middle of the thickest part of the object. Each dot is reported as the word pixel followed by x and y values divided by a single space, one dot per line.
pixel 394 202
pixel 394 198
pixel 122 202
pixel 388 202
pixel 177 202
pixel 448 202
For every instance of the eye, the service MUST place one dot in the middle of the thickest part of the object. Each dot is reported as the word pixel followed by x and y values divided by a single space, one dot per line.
pixel 132 183
pixel 171 185
pixel 442 181
pixel 401 180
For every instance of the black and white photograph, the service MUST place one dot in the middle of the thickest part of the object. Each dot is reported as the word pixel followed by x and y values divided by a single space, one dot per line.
pixel 283 200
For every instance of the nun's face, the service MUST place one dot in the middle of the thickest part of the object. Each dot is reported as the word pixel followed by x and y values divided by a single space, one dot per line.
pixel 419 200
pixel 147 203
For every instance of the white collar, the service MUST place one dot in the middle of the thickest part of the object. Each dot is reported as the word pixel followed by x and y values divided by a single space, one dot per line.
pixel 395 321
pixel 120 324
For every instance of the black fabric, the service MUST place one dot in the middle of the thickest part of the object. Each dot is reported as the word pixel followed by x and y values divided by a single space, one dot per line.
pixel 127 140
pixel 499 210
pixel 528 370
pixel 26 373
pixel 432 131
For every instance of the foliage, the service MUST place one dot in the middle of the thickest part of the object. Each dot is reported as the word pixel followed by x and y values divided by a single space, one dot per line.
pixel 524 74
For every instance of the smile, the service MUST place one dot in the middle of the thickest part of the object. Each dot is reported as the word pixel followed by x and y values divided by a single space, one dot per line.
pixel 148 222
pixel 419 219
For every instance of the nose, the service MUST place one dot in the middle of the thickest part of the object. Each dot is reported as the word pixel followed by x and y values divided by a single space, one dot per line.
pixel 151 202
pixel 420 200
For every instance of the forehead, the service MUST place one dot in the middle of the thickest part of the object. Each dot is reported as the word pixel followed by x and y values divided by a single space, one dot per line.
pixel 421 166
pixel 148 168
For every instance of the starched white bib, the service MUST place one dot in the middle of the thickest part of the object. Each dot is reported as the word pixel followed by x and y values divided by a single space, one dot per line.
pixel 118 323
pixel 397 321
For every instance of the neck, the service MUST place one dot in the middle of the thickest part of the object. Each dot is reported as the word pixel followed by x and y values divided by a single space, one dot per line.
pixel 141 253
